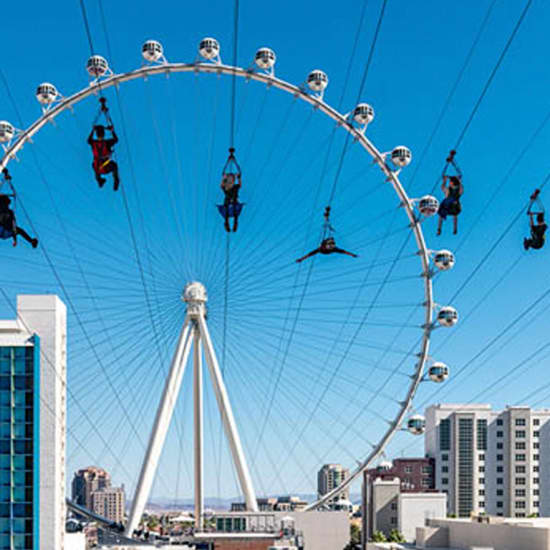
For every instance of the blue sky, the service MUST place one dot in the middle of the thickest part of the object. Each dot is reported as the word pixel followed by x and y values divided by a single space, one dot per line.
pixel 328 402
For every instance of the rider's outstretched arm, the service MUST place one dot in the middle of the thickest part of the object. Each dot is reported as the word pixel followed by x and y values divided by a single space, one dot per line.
pixel 115 137
pixel 312 253
pixel 342 251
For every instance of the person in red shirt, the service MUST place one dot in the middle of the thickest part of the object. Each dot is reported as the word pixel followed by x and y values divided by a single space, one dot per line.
pixel 103 150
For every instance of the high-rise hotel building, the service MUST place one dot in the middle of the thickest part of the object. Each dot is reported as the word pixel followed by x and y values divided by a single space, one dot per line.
pixel 494 462
pixel 32 425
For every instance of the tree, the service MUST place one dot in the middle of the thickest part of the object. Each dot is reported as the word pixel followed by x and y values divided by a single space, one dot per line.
pixel 354 536
pixel 396 536
pixel 378 536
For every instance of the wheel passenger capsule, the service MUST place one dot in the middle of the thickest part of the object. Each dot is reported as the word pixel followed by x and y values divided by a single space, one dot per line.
pixel 209 48
pixel 401 156
pixel 363 114
pixel 428 205
pixel 97 66
pixel 444 260
pixel 46 93
pixel 317 80
pixel 447 316
pixel 438 372
pixel 416 424
pixel 265 58
pixel 7 131
pixel 152 51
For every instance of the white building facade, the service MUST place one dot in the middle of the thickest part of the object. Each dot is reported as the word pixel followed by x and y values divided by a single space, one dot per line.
pixel 33 367
pixel 493 462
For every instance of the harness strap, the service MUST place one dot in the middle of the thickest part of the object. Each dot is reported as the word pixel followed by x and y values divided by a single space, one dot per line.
pixel 231 159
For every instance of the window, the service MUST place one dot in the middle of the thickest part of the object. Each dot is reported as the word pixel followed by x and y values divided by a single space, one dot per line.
pixel 520 515
pixel 426 470
pixel 536 433
pixel 481 492
pixel 520 469
pixel 536 504
pixel 500 457
pixel 482 504
pixel 520 504
pixel 536 492
pixel 500 469
pixel 520 481
pixel 500 504
pixel 536 422
pixel 536 445
pixel 535 468
pixel 500 422
pixel 500 481
pixel 536 457
pixel 481 480
pixel 393 520
pixel 499 445
pixel 481 434
pixel 520 492
pixel 394 505
pixel 445 435
pixel 408 469
pixel 500 434
pixel 500 492
pixel 520 421
pixel 481 457
pixel 520 445
pixel 444 481
pixel 465 467
pixel 520 433
pixel 520 458
pixel 444 469
pixel 444 458
pixel 536 481
pixel 481 469
pixel 426 482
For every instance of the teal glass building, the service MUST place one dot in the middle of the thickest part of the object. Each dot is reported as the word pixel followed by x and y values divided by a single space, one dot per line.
pixel 20 446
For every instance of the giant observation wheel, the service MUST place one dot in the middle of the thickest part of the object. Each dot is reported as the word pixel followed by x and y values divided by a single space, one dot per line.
pixel 415 365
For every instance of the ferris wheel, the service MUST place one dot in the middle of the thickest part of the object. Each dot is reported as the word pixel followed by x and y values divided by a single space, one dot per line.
pixel 316 322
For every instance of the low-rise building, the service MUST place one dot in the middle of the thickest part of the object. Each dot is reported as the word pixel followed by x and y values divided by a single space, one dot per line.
pixel 285 503
pixel 485 532
pixel 400 496
pixel 320 530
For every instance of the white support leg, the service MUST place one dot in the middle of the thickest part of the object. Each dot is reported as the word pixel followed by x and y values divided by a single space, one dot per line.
pixel 197 399
pixel 229 424
pixel 160 427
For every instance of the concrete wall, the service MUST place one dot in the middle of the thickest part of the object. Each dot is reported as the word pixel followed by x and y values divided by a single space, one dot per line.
pixel 384 510
pixel 415 508
pixel 432 537
pixel 322 530
pixel 47 317
pixel 464 534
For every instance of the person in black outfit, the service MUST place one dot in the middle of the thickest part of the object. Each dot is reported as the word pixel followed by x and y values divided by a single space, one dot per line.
pixel 450 205
pixel 231 185
pixel 328 246
pixel 538 231
pixel 8 225
pixel 103 150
